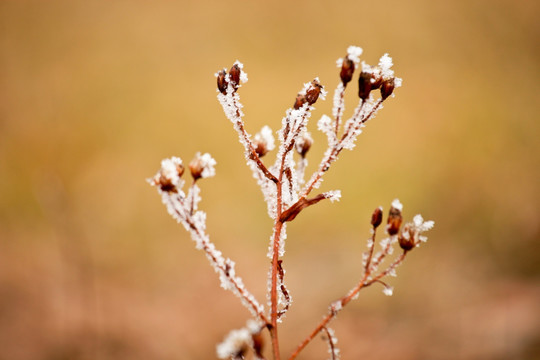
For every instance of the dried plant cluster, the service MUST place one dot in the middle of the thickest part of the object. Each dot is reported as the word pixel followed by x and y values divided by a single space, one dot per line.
pixel 287 193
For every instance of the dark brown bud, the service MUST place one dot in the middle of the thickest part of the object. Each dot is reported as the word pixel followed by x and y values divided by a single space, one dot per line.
pixel 376 218
pixel 364 85
pixel 196 168
pixel 387 88
pixel 347 70
pixel 406 238
pixel 300 100
pixel 304 144
pixel 221 82
pixel 394 221
pixel 376 81
pixel 165 184
pixel 234 75
pixel 312 93
pixel 260 147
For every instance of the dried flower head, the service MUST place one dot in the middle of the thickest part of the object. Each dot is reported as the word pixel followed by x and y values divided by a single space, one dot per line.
pixel 168 177
pixel 264 141
pixel 202 166
pixel 411 236
pixel 313 91
pixel 303 144
pixel 394 218
pixel 376 217
pixel 221 77
pixel 347 71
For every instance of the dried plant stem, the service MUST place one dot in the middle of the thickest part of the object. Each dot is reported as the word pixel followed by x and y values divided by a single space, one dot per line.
pixel 331 343
pixel 344 301
pixel 273 291
pixel 223 268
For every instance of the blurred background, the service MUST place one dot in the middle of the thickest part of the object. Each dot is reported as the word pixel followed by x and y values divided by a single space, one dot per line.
pixel 95 94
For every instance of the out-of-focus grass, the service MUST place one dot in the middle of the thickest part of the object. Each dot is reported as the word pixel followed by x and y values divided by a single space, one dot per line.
pixel 94 94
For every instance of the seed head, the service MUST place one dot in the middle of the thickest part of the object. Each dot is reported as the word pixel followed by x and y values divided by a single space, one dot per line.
pixel 299 101
pixel 376 218
pixel 234 75
pixel 347 70
pixel 407 238
pixel 202 166
pixel 387 88
pixel 303 144
pixel 221 82
pixel 394 218
pixel 313 92
pixel 364 85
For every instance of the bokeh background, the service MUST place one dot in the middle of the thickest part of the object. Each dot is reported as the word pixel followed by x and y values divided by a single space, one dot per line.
pixel 95 94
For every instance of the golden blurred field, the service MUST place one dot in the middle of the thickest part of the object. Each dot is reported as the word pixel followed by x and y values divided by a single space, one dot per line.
pixel 94 94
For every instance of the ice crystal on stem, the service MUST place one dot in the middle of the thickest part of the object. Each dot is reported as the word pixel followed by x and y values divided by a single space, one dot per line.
pixel 287 194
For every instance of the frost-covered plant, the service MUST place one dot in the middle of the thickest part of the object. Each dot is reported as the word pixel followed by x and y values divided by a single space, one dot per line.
pixel 287 194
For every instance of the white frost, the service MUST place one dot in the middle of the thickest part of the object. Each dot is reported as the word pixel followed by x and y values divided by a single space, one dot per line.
pixel 397 204
pixel 235 343
pixel 207 163
pixel 333 195
pixel 266 137
pixel 385 64
pixel 388 290
pixel 353 53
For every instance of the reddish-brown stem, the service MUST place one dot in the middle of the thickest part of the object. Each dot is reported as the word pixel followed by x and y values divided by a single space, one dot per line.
pixel 368 261
pixel 331 343
pixel 344 301
pixel 273 291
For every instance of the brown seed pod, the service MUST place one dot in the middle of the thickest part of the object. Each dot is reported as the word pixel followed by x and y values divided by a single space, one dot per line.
pixel 364 85
pixel 387 88
pixel 313 92
pixel 347 70
pixel 376 217
pixel 221 82
pixel 394 221
pixel 234 75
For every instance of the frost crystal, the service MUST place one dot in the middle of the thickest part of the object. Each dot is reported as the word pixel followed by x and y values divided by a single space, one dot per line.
pixel 236 342
pixel 385 64
pixel 333 195
pixel 397 204
pixel 353 53
pixel 265 136
pixel 208 164
pixel 388 290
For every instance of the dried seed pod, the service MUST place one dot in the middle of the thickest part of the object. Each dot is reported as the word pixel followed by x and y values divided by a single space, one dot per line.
pixel 406 238
pixel 164 183
pixel 234 75
pixel 364 85
pixel 347 70
pixel 299 101
pixel 387 88
pixel 202 166
pixel 376 217
pixel 376 81
pixel 394 221
pixel 313 92
pixel 222 82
